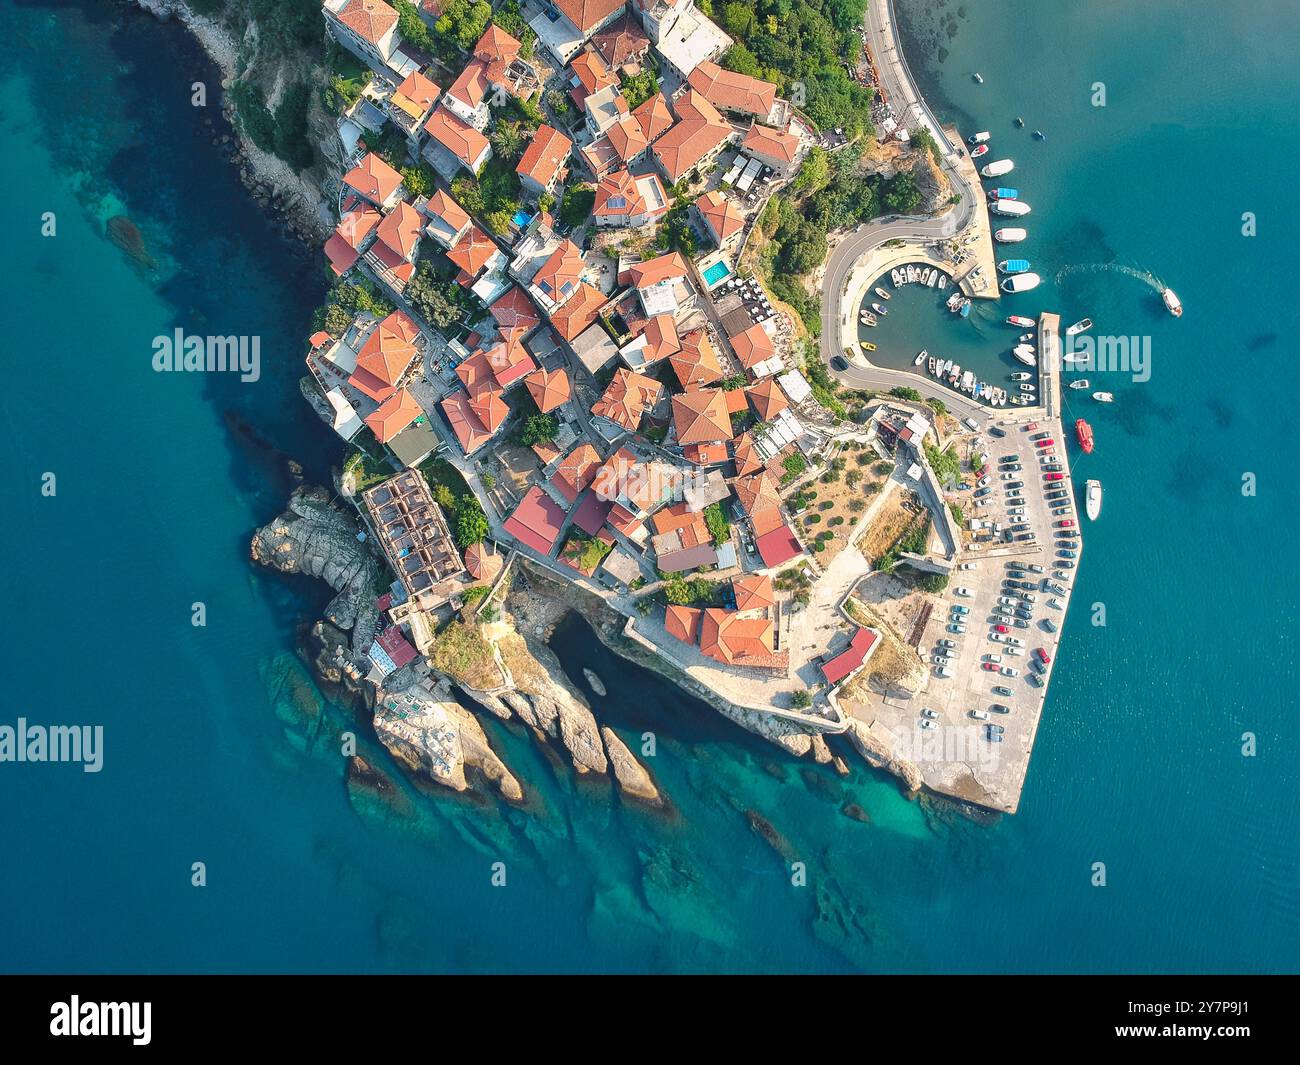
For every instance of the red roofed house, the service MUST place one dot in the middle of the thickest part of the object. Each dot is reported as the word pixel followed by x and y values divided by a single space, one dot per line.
pixel 578 312
pixel 753 591
pixel 622 42
pixel 777 545
pixel 778 148
pixel 590 75
pixel 654 117
pixel 351 237
pixel 549 388
pixel 542 164
pixel 579 21
pixel 559 277
pixel 375 182
pixel 391 650
pixel 366 28
pixel 696 363
pixel 473 255
pixel 410 105
pixel 499 52
pixel 728 91
pixel 752 346
pixel 684 623
pixel 391 257
pixel 515 316
pixel 843 665
pixel 629 396
pixel 466 97
pixel 388 357
pixel 734 640
pixel 697 136
pixel 456 136
pixel 537 521
pixel 624 200
pixel 510 363
pixel 393 415
pixel 700 417
pixel 577 471
pixel 722 219
pixel 767 399
pixel 448 220
pixel 658 283
pixel 746 456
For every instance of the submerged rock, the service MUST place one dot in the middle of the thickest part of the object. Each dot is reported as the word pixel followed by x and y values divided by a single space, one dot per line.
pixel 127 236
pixel 597 685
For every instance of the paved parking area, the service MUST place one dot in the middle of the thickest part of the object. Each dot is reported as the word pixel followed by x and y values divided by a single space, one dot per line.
pixel 963 761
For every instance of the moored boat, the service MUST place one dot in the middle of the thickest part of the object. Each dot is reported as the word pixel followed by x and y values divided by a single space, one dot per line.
pixel 943 282
pixel 1027 388
pixel 1013 235
pixel 977 152
pixel 1103 397
pixel 1092 499
pixel 1024 353
pixel 1021 320
pixel 1021 375
pixel 978 78
pixel 1014 208
pixel 1079 384
pixel 883 294
pixel 868 346
pixel 997 169
pixel 1021 283
pixel 1013 266
pixel 934 277
pixel 954 300
pixel 920 358
pixel 1081 326
pixel 896 278
pixel 879 308
pixel 978 138
pixel 1083 431
pixel 1172 303
pixel 911 273
pixel 965 309
pixel 930 364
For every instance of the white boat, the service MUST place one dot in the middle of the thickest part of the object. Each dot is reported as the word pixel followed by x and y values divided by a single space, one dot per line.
pixel 1092 499
pixel 1079 384
pixel 979 78
pixel 880 309
pixel 1021 282
pixel 883 294
pixel 1103 397
pixel 1014 235
pixel 977 152
pixel 954 299
pixel 943 282
pixel 920 358
pixel 1081 326
pixel 1024 353
pixel 978 138
pixel 896 278
pixel 1002 166
pixel 1171 302
pixel 1026 338
pixel 931 364
pixel 1020 375
pixel 1021 321
pixel 1027 388
pixel 934 278
pixel 1074 356
pixel 1014 208
pixel 911 274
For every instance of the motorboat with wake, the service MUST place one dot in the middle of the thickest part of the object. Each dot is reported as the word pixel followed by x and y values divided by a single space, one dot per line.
pixel 1172 304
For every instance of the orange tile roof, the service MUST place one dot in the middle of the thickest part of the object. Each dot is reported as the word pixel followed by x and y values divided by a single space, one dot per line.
pixel 509 363
pixel 514 310
pixel 627 398
pixel 400 229
pixel 734 640
pixel 735 92
pixel 746 454
pixel 661 338
pixel 767 399
pixel 654 117
pixel 416 95
pixel 657 270
pixel 476 374
pixel 775 143
pixel 698 130
pixel 368 19
pixel 696 363
pixel 713 454
pixel 588 14
pixel 622 40
pixel 591 72
pixel 753 591
pixel 386 355
pixel 496 46
pixel 473 252
pixel 627 138
pixel 578 312
pixel 482 561
pixel 546 153
pixel 721 213
pixel 355 226
pixel 752 346
pixel 757 493
pixel 701 416
pixel 577 471
pixel 471 86
pixel 373 178
pixel 470 432
pixel 559 276
pixel 683 622
pixel 549 389
pixel 456 135
pixel 669 518
pixel 736 401
pixel 393 415
pixel 441 205
pixel 489 408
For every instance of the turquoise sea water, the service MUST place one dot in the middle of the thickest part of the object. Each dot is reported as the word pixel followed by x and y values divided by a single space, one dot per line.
pixel 209 756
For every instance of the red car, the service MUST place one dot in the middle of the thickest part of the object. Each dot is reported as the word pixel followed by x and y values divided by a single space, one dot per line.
pixel 1044 443
pixel 1031 427
pixel 1068 523
pixel 1000 628
pixel 1043 656
pixel 992 667
pixel 1053 477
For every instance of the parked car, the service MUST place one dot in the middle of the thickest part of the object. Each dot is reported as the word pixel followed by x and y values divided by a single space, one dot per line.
pixel 957 628
pixel 838 363
pixel 992 667
pixel 1016 641
pixel 1001 708
pixel 965 593
pixel 997 430
pixel 927 712
pixel 1009 671
pixel 1003 690
pixel 957 608
pixel 1048 624
pixel 926 724
pixel 993 658
pixel 1042 655
pixel 1044 443
pixel 967 565
pixel 980 715
pixel 1000 628
pixel 942 672
pixel 1053 477
pixel 947 643
pixel 1068 523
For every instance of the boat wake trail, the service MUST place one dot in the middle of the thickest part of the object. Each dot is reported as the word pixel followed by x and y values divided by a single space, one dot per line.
pixel 1145 276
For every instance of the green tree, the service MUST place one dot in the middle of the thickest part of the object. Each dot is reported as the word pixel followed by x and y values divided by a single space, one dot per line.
pixel 508 140
pixel 471 523
pixel 538 429
pixel 678 591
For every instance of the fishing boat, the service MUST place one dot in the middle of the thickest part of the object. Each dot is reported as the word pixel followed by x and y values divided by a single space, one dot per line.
pixel 870 320
pixel 1022 321
pixel 1002 166
pixel 1092 499
pixel 1028 389
pixel 953 300
pixel 1024 353
pixel 1083 431
pixel 1013 235
pixel 879 308
pixel 1171 302
pixel 1020 401
pixel 976 153
pixel 1079 384
pixel 868 346
pixel 896 278
pixel 920 358
pixel 911 273
pixel 978 138
pixel 943 282
pixel 1013 266
pixel 1081 326
pixel 883 294
pixel 965 309
pixel 1104 397
pixel 934 277
pixel 1015 208
pixel 1004 194
pixel 1021 283
pixel 930 364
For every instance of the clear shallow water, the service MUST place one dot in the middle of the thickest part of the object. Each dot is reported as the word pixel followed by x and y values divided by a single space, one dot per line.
pixel 219 750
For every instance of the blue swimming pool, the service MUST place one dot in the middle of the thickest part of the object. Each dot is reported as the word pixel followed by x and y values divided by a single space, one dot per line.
pixel 522 218
pixel 719 271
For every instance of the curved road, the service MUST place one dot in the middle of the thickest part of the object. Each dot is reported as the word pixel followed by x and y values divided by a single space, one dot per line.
pixel 911 111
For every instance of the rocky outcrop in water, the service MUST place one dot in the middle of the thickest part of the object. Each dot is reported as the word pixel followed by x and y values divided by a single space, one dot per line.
pixel 631 775
pixel 879 755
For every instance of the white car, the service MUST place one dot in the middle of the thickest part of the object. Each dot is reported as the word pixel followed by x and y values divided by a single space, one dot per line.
pixel 927 712
pixel 942 672
pixel 967 565
pixel 1014 651
pixel 996 637
pixel 980 715
pixel 1015 641
pixel 928 724
pixel 993 658
pixel 1009 671
pixel 965 593
pixel 1007 601
pixel 982 481
pixel 1055 604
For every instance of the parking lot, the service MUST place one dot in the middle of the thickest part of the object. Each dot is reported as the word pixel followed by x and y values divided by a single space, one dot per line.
pixel 1001 606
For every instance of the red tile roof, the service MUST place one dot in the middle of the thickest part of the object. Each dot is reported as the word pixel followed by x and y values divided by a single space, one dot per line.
pixel 456 135
pixel 545 155
pixel 699 129
pixel 588 14
pixel 627 398
pixel 395 646
pixel 775 143
pixel 470 432
pixel 549 389
pixel 373 178
pixel 515 310
pixel 844 663
pixel 753 591
pixel 592 74
pixel 752 346
pixel 441 206
pixel 660 338
pixel 696 363
pixel 657 270
pixel 393 415
pixel 683 622
pixel 537 521
pixel 590 514
pixel 622 40
pixel 777 546
pixel 471 86
pixel 767 399
pixel 732 91
pixel 701 416
pixel 400 230
pixel 654 117
pixel 745 452
pixel 482 561
pixel 386 355
pixel 473 252
pixel 734 640
pixel 509 362
pixel 721 213
pixel 627 138
pixel 415 95
pixel 578 312
pixel 368 19
pixel 577 471
pixel 559 276
pixel 757 493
